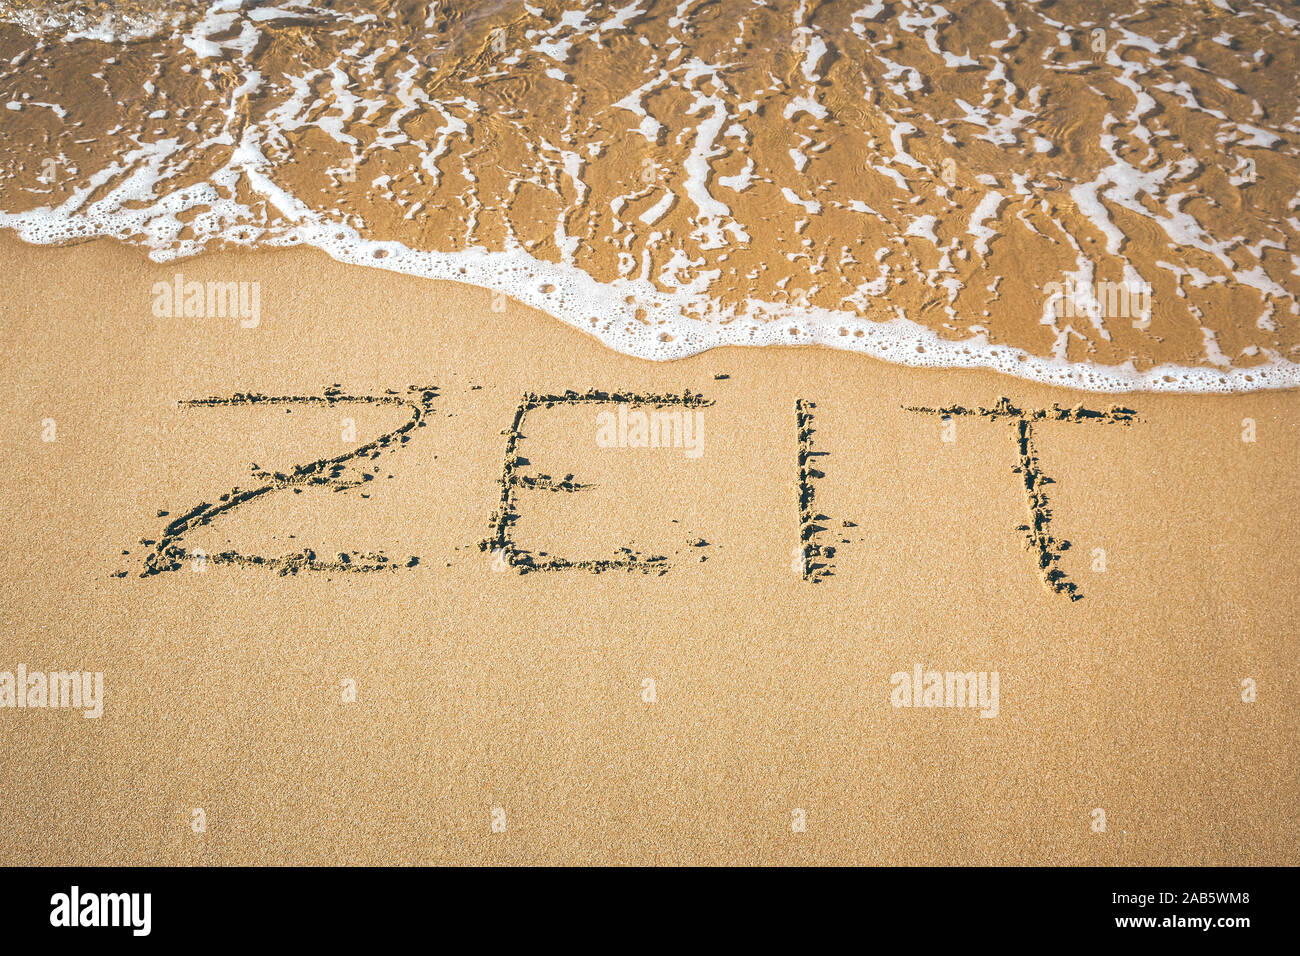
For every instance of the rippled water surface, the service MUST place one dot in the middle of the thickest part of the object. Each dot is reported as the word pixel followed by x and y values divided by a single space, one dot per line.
pixel 1103 194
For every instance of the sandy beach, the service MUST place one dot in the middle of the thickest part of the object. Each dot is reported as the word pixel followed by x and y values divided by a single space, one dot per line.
pixel 721 700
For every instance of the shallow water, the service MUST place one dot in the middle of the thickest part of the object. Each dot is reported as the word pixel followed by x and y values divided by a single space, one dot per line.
pixel 1104 195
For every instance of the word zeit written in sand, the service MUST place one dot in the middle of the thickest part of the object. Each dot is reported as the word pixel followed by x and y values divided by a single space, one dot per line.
pixel 354 469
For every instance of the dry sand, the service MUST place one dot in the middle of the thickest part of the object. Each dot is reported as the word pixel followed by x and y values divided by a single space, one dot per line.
pixel 480 689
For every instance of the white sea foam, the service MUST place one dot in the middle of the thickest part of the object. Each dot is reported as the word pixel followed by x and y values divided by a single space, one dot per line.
pixel 603 309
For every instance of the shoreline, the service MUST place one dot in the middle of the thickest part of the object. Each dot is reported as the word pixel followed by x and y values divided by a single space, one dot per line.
pixel 895 341
pixel 763 174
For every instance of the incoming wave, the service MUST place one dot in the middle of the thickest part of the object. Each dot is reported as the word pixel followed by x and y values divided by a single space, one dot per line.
pixel 1104 202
